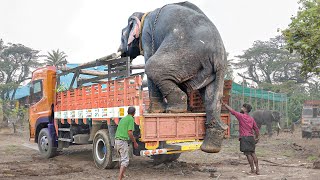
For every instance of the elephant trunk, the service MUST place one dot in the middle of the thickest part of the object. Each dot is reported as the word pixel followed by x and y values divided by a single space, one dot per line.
pixel 279 125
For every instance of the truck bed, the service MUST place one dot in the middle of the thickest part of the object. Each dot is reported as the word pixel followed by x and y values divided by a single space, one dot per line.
pixel 110 100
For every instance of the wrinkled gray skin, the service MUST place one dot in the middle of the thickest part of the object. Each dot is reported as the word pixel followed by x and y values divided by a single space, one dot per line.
pixel 188 54
pixel 266 117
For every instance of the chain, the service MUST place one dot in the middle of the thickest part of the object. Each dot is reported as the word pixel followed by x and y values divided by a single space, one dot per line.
pixel 154 26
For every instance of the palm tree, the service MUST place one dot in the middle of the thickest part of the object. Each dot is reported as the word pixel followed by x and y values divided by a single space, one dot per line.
pixel 56 58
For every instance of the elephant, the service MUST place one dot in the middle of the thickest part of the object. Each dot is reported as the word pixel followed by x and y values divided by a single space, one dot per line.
pixel 266 117
pixel 183 51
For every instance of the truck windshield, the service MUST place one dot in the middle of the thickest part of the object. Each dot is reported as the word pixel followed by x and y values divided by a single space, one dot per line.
pixel 36 91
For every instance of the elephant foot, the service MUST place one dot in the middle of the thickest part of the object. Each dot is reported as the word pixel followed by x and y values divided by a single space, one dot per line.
pixel 213 140
pixel 156 106
pixel 177 102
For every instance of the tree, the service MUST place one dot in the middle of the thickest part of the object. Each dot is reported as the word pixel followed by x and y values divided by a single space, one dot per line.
pixel 303 35
pixel 16 63
pixel 56 58
pixel 269 62
pixel 229 71
pixel 274 68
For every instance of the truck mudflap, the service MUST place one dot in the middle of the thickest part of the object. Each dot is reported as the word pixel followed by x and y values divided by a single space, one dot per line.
pixel 173 148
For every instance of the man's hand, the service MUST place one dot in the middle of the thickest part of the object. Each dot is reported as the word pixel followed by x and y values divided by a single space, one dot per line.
pixel 256 139
pixel 135 145
pixel 221 100
pixel 226 105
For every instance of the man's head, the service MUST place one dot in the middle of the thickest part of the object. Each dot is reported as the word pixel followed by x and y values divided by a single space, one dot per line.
pixel 131 110
pixel 246 108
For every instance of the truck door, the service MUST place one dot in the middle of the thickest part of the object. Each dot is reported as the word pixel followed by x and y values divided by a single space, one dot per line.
pixel 36 104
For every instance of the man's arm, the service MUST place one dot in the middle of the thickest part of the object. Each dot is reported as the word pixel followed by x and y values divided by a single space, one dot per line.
pixel 227 106
pixel 135 144
pixel 130 133
pixel 232 111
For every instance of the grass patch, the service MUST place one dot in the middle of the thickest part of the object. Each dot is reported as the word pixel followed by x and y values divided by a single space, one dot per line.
pixel 11 149
pixel 312 158
pixel 288 153
pixel 261 152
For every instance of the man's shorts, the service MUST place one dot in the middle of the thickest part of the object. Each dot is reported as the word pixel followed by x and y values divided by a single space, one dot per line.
pixel 247 144
pixel 122 147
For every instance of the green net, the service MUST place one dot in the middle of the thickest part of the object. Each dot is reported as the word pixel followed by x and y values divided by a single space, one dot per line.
pixel 238 89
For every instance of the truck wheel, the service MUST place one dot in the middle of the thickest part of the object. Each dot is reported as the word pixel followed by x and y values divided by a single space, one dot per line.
pixel 45 144
pixel 162 158
pixel 102 150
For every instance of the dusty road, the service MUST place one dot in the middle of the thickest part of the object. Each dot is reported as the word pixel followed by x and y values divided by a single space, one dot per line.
pixel 286 156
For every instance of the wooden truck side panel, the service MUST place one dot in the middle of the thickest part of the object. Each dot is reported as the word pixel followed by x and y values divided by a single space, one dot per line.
pixel 110 100
pixel 186 126
pixel 163 126
pixel 100 102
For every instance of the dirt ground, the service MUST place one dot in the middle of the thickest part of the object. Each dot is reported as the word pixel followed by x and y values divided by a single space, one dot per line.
pixel 286 156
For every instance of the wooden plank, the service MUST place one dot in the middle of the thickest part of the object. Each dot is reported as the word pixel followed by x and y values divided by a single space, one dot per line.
pixel 93 72
pixel 97 62
pixel 75 75
pixel 84 81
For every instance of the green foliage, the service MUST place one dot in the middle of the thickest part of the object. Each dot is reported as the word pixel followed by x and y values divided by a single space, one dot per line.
pixel 295 104
pixel 56 58
pixel 62 87
pixel 16 63
pixel 312 158
pixel 269 62
pixel 229 72
pixel 274 68
pixel 303 35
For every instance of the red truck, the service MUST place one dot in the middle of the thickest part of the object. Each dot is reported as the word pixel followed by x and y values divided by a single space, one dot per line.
pixel 90 114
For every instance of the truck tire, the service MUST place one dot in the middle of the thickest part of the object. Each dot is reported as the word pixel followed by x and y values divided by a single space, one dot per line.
pixel 102 150
pixel 162 158
pixel 45 144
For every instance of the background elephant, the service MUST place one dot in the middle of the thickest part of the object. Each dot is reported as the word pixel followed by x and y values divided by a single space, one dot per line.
pixel 183 50
pixel 266 117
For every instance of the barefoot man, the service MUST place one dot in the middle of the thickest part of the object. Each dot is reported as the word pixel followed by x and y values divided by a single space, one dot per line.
pixel 123 135
pixel 247 140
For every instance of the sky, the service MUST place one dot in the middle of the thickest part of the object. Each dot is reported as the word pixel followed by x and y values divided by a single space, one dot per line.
pixel 90 29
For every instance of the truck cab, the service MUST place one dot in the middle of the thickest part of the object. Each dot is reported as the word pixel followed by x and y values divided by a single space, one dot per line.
pixel 42 95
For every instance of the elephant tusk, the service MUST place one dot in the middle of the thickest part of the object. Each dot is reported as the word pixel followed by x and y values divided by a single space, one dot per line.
pixel 278 125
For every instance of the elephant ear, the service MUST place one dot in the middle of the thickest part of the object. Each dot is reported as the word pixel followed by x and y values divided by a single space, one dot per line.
pixel 134 25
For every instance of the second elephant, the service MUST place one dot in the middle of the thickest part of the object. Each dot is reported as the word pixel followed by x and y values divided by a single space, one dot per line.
pixel 266 117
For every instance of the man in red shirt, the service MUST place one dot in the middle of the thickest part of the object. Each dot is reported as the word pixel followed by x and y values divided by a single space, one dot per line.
pixel 247 140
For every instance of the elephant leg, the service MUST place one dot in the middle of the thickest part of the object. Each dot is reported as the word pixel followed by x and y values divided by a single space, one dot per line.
pixel 269 129
pixel 215 128
pixel 176 98
pixel 163 71
pixel 156 98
